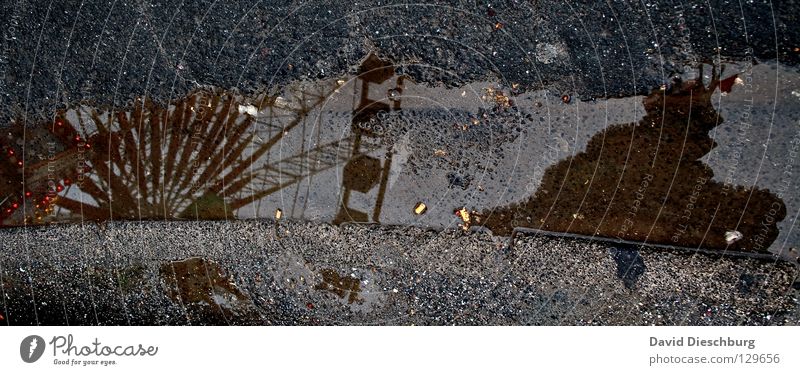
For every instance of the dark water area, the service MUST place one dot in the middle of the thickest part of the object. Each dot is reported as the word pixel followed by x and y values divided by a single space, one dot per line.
pixel 376 147
pixel 645 181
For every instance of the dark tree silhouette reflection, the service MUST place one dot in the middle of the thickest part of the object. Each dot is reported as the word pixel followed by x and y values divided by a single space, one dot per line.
pixel 645 181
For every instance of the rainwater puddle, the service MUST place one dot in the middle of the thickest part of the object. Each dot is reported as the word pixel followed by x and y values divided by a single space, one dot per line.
pixel 693 164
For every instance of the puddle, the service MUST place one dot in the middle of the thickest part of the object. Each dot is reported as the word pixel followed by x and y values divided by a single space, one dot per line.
pixel 341 144
pixel 673 167
pixel 345 287
pixel 205 293
pixel 644 181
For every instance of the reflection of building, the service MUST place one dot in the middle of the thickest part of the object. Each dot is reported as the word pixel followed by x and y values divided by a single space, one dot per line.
pixel 363 172
pixel 646 182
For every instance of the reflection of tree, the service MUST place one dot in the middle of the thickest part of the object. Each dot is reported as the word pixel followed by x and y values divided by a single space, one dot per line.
pixel 660 191
pixel 197 158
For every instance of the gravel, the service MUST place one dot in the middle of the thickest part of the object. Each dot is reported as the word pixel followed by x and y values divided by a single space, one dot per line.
pixel 108 53
pixel 125 273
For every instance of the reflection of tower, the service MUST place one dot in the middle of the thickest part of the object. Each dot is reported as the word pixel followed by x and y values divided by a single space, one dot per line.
pixel 363 172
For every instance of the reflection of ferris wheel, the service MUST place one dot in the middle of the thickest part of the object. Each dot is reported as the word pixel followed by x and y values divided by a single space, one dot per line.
pixel 200 158
pixel 204 156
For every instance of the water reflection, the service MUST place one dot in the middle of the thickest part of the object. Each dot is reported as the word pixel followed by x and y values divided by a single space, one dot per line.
pixel 346 287
pixel 363 172
pixel 199 158
pixel 203 157
pixel 371 148
pixel 205 293
pixel 645 181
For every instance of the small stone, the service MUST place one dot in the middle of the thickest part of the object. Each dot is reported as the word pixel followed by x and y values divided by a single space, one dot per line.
pixel 394 95
pixel 465 217
pixel 249 109
pixel 732 236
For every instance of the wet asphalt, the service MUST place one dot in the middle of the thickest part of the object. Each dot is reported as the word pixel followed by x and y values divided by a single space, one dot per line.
pixel 300 273
pixel 105 54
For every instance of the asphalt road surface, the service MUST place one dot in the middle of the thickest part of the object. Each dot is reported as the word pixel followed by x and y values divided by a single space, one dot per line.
pixel 650 149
